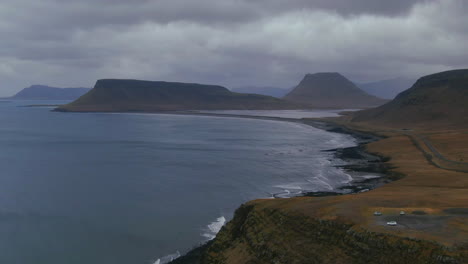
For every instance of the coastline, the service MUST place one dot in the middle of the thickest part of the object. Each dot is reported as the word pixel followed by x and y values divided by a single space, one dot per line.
pixel 433 230
pixel 358 161
pixel 334 228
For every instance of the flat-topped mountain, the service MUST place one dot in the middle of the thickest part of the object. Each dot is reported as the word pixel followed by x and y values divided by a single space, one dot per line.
pixel 113 95
pixel 43 92
pixel 440 98
pixel 331 90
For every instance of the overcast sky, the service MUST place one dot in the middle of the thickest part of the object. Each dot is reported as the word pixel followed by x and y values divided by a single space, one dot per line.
pixel 72 43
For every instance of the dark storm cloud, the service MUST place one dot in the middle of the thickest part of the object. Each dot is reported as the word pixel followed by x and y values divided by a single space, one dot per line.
pixel 230 42
pixel 56 14
pixel 345 7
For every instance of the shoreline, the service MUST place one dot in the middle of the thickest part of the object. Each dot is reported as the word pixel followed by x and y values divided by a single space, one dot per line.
pixel 331 226
pixel 358 161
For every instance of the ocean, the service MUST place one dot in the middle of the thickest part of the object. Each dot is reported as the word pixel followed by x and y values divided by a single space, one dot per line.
pixel 143 188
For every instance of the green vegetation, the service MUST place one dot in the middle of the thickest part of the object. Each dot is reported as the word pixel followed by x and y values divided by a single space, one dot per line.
pixel 261 233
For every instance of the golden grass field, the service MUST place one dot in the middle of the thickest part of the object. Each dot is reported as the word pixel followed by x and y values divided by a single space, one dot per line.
pixel 453 144
pixel 429 191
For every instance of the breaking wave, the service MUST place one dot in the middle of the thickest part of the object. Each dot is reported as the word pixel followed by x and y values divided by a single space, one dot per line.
pixel 167 259
pixel 213 228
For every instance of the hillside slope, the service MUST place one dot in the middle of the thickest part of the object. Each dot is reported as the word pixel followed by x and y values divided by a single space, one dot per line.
pixel 439 99
pixel 113 95
pixel 42 92
pixel 331 90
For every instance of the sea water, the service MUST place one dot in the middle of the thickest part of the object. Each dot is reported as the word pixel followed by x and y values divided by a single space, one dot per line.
pixel 143 188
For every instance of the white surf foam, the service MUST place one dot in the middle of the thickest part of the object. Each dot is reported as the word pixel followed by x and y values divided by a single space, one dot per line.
pixel 370 176
pixel 214 228
pixel 167 259
pixel 289 186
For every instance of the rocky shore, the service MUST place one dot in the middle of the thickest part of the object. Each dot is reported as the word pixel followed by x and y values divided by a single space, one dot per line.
pixel 358 162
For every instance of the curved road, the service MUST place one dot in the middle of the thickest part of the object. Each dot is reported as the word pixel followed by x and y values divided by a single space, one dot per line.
pixel 448 163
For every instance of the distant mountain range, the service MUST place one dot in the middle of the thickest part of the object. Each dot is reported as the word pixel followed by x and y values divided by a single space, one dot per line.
pixel 437 99
pixel 331 90
pixel 113 95
pixel 43 92
pixel 270 91
pixel 387 89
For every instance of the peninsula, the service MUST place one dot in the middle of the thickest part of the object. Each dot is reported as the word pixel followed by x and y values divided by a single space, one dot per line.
pixel 112 95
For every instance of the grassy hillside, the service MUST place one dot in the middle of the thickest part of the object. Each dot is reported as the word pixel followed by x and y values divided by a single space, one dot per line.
pixel 331 90
pixel 439 99
pixel 147 96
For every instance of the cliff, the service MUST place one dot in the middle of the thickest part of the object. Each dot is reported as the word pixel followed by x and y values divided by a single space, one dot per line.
pixel 331 90
pixel 148 96
pixel 263 232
